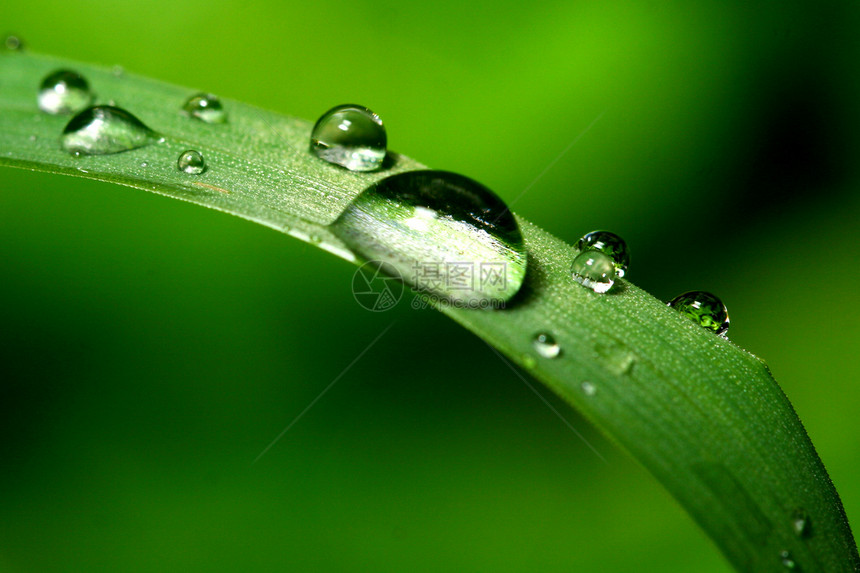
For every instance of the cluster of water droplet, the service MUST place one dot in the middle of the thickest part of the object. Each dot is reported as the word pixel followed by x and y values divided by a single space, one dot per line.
pixel 108 129
pixel 603 257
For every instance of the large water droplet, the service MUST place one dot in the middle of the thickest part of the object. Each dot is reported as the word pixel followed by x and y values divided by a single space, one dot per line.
pixel 594 270
pixel 546 345
pixel 191 162
pixel 787 560
pixel 64 91
pixel 703 308
pixel 608 244
pixel 104 129
pixel 205 107
pixel 447 235
pixel 351 136
pixel 801 524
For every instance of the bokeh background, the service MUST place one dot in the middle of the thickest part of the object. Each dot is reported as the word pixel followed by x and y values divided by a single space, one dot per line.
pixel 151 349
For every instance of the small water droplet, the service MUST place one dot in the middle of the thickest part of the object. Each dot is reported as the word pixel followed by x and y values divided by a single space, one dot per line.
pixel 63 92
pixel 206 108
pixel 144 164
pixel 704 309
pixel 32 138
pixel 588 388
pixel 787 560
pixel 528 361
pixel 801 524
pixel 608 244
pixel 117 71
pixel 546 345
pixel 594 270
pixel 104 129
pixel 191 162
pixel 616 356
pixel 447 235
pixel 351 136
pixel 13 43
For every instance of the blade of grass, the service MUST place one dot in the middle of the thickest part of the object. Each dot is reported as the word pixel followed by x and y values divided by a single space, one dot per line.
pixel 704 416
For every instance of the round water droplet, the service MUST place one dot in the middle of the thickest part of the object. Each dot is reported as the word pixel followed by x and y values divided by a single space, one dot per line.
pixel 447 235
pixel 104 129
pixel 64 91
pixel 546 345
pixel 205 107
pixel 594 270
pixel 191 162
pixel 13 43
pixel 703 308
pixel 588 388
pixel 351 136
pixel 787 560
pixel 800 523
pixel 608 244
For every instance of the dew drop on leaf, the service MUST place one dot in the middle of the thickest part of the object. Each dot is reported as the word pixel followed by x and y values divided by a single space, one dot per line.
pixel 787 561
pixel 588 388
pixel 205 107
pixel 64 91
pixel 545 345
pixel 351 136
pixel 448 236
pixel 801 524
pixel 608 244
pixel 191 162
pixel 13 43
pixel 703 308
pixel 104 129
pixel 594 270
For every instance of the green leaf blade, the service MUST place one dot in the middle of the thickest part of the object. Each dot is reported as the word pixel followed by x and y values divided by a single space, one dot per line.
pixel 704 416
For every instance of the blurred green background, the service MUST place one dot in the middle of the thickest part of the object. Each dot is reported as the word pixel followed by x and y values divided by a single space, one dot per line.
pixel 151 349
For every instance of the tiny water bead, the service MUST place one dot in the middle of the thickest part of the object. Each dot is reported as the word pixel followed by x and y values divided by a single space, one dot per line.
pixel 608 244
pixel 205 107
pixel 787 560
pixel 104 129
pixel 448 236
pixel 594 270
pixel 64 91
pixel 588 388
pixel 191 162
pixel 703 308
pixel 351 136
pixel 546 345
pixel 800 523
pixel 13 43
